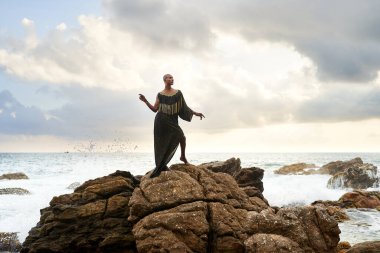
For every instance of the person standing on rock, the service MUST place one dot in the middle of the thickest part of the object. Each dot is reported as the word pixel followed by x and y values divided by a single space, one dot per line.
pixel 169 104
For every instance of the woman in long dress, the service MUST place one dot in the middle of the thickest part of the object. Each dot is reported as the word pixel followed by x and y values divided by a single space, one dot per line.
pixel 169 104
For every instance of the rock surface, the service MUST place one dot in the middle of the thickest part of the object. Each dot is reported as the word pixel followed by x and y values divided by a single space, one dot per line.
pixel 339 166
pixel 297 169
pixel 9 242
pixel 186 209
pixel 356 176
pixel 16 191
pixel 91 219
pixel 365 247
pixel 17 175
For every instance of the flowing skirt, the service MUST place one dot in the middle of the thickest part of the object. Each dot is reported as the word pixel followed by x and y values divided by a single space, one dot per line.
pixel 167 135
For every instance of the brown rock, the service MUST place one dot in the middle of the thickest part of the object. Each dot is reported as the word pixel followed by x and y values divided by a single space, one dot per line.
pixel 343 247
pixel 15 191
pixel 365 247
pixel 91 219
pixel 338 166
pixel 263 243
pixel 361 199
pixel 296 169
pixel 191 209
pixel 230 166
pixel 358 177
pixel 17 175
pixel 250 177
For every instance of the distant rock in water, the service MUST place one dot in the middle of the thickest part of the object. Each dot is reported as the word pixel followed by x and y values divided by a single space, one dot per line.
pixel 355 199
pixel 297 169
pixel 357 176
pixel 9 242
pixel 16 191
pixel 17 175
pixel 186 209
pixel 338 166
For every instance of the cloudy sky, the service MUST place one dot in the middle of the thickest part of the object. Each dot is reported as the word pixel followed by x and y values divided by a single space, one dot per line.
pixel 270 76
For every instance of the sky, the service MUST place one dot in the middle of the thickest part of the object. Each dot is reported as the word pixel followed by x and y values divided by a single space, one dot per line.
pixel 269 76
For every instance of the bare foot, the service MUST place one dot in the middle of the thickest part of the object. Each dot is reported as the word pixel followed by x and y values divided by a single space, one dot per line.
pixel 183 159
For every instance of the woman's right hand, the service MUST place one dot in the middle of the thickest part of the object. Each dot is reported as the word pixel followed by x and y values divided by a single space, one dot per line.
pixel 142 98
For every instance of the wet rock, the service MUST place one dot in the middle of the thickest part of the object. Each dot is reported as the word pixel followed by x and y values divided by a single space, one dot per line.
pixel 357 177
pixel 14 191
pixel 333 209
pixel 271 243
pixel 9 242
pixel 339 166
pixel 365 247
pixel 296 169
pixel 12 176
pixel 361 199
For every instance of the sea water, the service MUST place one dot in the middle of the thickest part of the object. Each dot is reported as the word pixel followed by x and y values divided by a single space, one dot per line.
pixel 51 173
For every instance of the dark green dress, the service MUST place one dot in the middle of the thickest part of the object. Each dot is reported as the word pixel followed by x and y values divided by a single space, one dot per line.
pixel 167 132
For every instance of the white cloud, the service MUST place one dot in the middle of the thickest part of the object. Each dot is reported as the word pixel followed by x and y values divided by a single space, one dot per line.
pixel 61 27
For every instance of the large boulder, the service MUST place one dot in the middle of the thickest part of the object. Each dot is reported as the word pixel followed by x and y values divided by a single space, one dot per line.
pixel 230 166
pixel 332 168
pixel 297 169
pixel 91 219
pixel 356 176
pixel 192 209
pixel 17 175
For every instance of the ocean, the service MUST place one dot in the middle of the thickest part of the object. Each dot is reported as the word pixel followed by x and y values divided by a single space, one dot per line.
pixel 51 173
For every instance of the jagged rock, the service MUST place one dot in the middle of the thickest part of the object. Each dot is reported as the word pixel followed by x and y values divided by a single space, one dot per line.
pixel 91 219
pixel 230 166
pixel 16 191
pixel 9 242
pixel 296 169
pixel 17 175
pixel 250 177
pixel 333 209
pixel 357 177
pixel 191 209
pixel 186 209
pixel 361 199
pixel 338 166
pixel 365 247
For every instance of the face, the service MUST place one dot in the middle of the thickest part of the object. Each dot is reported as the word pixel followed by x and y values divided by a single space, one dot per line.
pixel 169 79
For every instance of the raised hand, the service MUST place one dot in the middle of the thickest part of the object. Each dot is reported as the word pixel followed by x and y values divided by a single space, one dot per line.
pixel 142 98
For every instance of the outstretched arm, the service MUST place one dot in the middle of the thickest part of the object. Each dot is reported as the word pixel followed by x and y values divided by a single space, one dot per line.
pixel 154 107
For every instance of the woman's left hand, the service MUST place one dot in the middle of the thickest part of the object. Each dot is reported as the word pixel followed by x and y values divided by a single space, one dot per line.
pixel 199 114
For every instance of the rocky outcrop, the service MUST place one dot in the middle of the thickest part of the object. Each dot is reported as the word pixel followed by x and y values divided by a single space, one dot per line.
pixel 91 219
pixel 355 199
pixel 186 209
pixel 15 191
pixel 191 209
pixel 230 166
pixel 17 175
pixel 339 166
pixel 364 247
pixel 356 176
pixel 9 242
pixel 297 169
